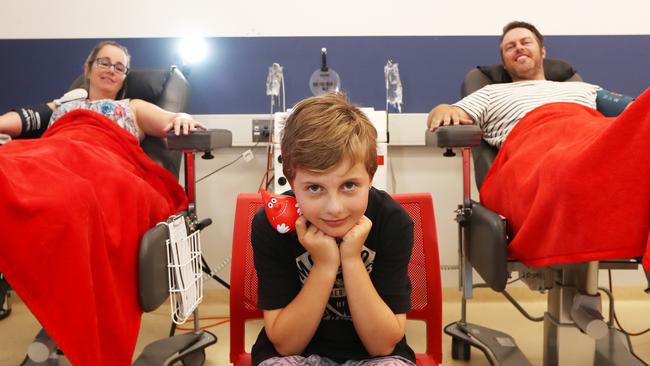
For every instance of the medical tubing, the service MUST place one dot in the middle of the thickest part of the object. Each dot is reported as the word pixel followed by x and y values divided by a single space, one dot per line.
pixel 610 293
pixel 514 303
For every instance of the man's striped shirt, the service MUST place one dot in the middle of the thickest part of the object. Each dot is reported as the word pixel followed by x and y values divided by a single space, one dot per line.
pixel 497 108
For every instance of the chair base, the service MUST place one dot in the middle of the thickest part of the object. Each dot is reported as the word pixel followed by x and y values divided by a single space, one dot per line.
pixel 53 361
pixel 189 348
pixel 5 305
pixel 499 348
pixel 565 344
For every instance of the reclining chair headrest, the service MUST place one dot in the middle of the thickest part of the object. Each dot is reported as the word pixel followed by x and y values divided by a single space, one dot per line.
pixel 168 89
pixel 475 79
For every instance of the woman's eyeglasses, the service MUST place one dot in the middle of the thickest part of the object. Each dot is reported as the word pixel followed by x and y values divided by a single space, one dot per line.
pixel 105 63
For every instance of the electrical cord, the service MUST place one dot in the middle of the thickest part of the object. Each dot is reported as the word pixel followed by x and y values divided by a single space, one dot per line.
pixel 221 320
pixel 209 272
pixel 226 165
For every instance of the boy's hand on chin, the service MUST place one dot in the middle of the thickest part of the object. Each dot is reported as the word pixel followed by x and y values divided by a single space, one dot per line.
pixel 322 247
pixel 353 240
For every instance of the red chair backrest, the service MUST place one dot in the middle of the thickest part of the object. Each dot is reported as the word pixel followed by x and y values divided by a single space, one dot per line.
pixel 424 272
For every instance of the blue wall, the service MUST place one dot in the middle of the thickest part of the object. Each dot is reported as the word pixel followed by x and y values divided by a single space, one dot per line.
pixel 232 80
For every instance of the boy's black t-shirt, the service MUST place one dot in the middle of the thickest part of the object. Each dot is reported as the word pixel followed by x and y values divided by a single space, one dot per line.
pixel 282 265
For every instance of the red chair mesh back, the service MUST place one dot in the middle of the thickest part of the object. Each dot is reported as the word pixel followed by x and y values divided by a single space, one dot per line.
pixel 250 274
pixel 243 277
pixel 424 272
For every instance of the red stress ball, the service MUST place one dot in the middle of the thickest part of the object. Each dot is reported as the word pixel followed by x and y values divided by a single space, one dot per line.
pixel 282 211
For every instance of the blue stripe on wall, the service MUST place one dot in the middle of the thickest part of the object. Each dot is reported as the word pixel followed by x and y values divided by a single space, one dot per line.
pixel 232 80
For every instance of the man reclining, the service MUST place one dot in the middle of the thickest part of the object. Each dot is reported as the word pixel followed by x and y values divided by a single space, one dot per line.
pixel 574 185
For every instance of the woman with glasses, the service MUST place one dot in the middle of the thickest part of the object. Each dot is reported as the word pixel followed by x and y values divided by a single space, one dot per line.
pixel 75 204
pixel 105 71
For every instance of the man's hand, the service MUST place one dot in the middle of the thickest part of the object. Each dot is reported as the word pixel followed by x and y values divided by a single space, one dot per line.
pixel 353 240
pixel 447 115
pixel 322 247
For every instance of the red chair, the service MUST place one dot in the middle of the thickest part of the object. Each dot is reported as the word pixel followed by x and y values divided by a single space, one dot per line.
pixel 424 272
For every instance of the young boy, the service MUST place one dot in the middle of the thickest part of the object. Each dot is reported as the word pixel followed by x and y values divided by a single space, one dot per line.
pixel 337 289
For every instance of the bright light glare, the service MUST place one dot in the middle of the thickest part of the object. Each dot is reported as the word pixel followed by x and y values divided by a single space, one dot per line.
pixel 193 50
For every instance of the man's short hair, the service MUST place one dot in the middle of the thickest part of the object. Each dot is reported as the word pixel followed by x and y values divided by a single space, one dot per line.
pixel 322 131
pixel 519 24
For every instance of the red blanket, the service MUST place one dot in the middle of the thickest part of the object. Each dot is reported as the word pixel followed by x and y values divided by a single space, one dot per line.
pixel 75 204
pixel 574 185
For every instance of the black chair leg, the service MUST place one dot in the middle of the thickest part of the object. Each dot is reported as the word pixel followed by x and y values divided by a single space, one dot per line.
pixel 5 306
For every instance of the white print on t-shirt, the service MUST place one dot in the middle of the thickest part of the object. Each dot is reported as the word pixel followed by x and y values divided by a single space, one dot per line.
pixel 337 306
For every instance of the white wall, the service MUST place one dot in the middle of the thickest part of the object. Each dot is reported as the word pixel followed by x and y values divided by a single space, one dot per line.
pixel 166 18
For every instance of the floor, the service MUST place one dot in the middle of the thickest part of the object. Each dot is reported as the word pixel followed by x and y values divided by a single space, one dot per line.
pixel 488 309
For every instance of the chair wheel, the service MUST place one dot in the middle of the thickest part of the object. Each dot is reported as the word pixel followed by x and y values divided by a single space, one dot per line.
pixel 4 313
pixel 460 349
pixel 196 358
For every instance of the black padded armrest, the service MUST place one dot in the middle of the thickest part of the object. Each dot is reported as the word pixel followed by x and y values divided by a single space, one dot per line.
pixel 454 136
pixel 200 140
pixel 488 251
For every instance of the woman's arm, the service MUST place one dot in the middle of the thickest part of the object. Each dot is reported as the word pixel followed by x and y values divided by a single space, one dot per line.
pixel 378 327
pixel 11 123
pixel 156 121
pixel 291 328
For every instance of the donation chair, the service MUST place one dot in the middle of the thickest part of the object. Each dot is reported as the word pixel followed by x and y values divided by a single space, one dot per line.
pixel 168 89
pixel 574 329
pixel 424 273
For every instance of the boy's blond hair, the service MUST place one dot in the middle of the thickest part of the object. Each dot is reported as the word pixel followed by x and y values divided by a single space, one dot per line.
pixel 323 130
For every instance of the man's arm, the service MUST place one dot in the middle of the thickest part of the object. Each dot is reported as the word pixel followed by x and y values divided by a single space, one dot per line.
pixel 612 104
pixel 447 115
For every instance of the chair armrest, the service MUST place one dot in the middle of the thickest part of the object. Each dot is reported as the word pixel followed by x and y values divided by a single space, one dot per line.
pixel 488 251
pixel 454 136
pixel 200 140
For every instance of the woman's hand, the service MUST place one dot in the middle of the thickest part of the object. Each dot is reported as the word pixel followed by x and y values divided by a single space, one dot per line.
pixel 322 247
pixel 184 122
pixel 353 240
